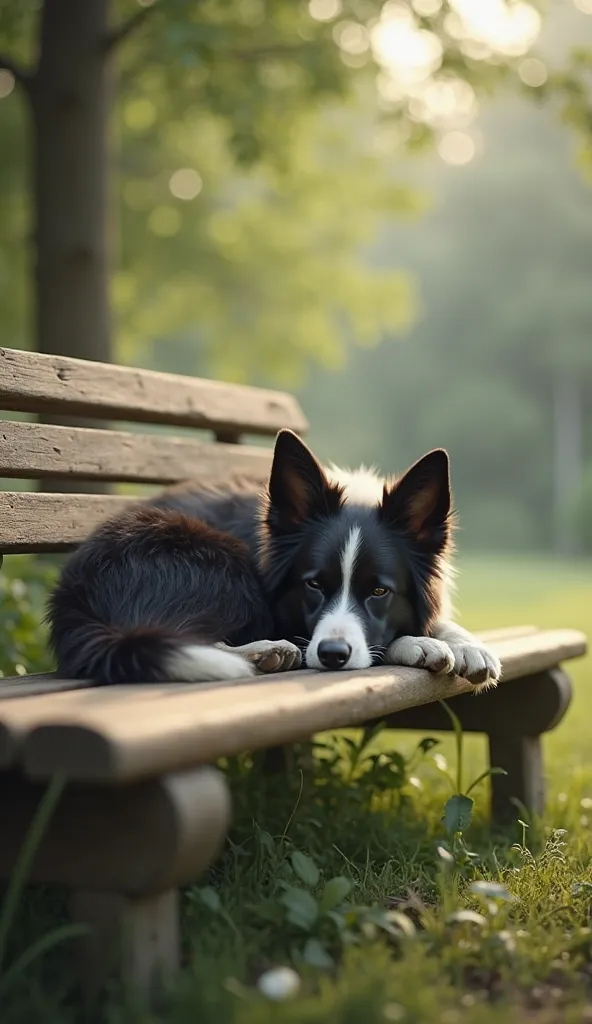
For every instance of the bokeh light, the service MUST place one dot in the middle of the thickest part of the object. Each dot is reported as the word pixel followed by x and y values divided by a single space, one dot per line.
pixel 427 8
pixel 324 10
pixel 185 183
pixel 6 83
pixel 533 72
pixel 457 148
pixel 508 28
pixel 409 52
pixel 351 37
pixel 584 5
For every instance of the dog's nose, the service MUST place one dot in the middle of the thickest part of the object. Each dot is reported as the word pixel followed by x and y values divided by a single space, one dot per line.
pixel 334 653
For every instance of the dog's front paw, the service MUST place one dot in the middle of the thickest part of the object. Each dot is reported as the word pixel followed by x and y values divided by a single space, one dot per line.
pixel 476 664
pixel 421 652
pixel 271 655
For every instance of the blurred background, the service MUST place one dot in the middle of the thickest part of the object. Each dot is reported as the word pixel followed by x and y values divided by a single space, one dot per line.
pixel 383 207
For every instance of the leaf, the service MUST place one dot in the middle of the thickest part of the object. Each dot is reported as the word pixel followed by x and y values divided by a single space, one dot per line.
pixel 268 910
pixel 457 813
pixel 305 868
pixel 484 775
pixel 335 892
pixel 466 917
pixel 427 744
pixel 316 955
pixel 266 841
pixel 301 906
pixel 209 897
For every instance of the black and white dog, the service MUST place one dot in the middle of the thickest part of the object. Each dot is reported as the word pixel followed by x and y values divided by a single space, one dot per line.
pixel 341 568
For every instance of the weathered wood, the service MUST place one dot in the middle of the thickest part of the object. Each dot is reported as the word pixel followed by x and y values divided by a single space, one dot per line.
pixel 37 451
pixel 37 684
pixel 529 706
pixel 131 732
pixel 30 382
pixel 135 840
pixel 52 522
pixel 136 939
pixel 522 758
pixel 47 682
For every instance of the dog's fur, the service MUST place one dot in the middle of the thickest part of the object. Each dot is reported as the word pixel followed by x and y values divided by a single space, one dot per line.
pixel 202 585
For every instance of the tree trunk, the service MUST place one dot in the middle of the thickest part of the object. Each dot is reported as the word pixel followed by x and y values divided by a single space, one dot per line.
pixel 70 99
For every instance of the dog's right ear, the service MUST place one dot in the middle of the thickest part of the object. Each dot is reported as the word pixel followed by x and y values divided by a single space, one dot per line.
pixel 298 487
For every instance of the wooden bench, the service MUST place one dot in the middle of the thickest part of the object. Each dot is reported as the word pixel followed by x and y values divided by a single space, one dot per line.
pixel 144 810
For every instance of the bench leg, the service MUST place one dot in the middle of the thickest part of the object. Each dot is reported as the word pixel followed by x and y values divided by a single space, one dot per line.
pixel 140 936
pixel 514 717
pixel 522 758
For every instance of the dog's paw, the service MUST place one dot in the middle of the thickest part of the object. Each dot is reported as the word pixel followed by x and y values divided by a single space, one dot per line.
pixel 476 664
pixel 421 652
pixel 271 655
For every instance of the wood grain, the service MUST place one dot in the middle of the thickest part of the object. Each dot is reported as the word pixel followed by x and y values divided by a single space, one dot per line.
pixel 52 522
pixel 32 382
pixel 136 840
pixel 38 451
pixel 132 732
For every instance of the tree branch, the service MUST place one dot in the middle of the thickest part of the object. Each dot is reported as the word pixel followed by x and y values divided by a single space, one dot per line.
pixel 22 75
pixel 125 29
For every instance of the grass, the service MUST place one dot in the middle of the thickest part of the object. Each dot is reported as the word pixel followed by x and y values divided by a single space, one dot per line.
pixel 351 879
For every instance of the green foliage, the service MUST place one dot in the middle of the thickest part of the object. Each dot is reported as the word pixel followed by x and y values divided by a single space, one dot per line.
pixel 260 267
pixel 24 584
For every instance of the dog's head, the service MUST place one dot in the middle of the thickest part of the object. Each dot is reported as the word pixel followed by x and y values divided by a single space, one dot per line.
pixel 347 575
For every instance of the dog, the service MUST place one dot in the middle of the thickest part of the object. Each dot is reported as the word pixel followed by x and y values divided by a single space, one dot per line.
pixel 333 569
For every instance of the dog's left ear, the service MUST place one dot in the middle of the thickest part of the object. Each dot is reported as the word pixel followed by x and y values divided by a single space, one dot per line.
pixel 298 487
pixel 419 503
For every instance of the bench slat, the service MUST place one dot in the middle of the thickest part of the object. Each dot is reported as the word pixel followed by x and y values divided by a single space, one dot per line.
pixel 131 732
pixel 37 451
pixel 34 382
pixel 52 522
pixel 47 682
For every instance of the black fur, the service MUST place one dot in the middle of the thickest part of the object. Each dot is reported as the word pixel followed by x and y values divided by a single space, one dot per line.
pixel 201 567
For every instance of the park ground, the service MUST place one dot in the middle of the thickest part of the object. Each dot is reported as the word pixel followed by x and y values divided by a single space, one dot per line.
pixel 352 880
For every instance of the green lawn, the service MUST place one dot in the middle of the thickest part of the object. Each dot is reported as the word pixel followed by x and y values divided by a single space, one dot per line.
pixel 522 953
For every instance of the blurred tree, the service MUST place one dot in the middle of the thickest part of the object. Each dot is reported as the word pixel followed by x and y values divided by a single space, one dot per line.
pixel 232 91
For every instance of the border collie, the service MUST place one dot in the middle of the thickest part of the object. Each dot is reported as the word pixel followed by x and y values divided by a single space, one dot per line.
pixel 340 569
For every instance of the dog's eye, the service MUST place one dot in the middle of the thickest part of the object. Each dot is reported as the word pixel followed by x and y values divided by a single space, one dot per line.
pixel 380 592
pixel 313 584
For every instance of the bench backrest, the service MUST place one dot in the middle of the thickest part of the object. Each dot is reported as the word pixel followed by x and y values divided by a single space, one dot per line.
pixel 56 386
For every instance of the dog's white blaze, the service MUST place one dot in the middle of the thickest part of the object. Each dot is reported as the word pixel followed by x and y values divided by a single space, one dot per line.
pixel 348 563
pixel 340 619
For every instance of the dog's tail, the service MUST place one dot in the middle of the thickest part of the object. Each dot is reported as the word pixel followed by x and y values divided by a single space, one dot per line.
pixel 109 655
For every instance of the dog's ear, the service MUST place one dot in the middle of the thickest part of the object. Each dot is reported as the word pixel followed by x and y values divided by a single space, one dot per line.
pixel 298 487
pixel 420 502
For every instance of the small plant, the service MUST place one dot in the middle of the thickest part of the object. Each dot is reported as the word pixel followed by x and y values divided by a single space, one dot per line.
pixel 353 761
pixel 316 915
pixel 459 807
